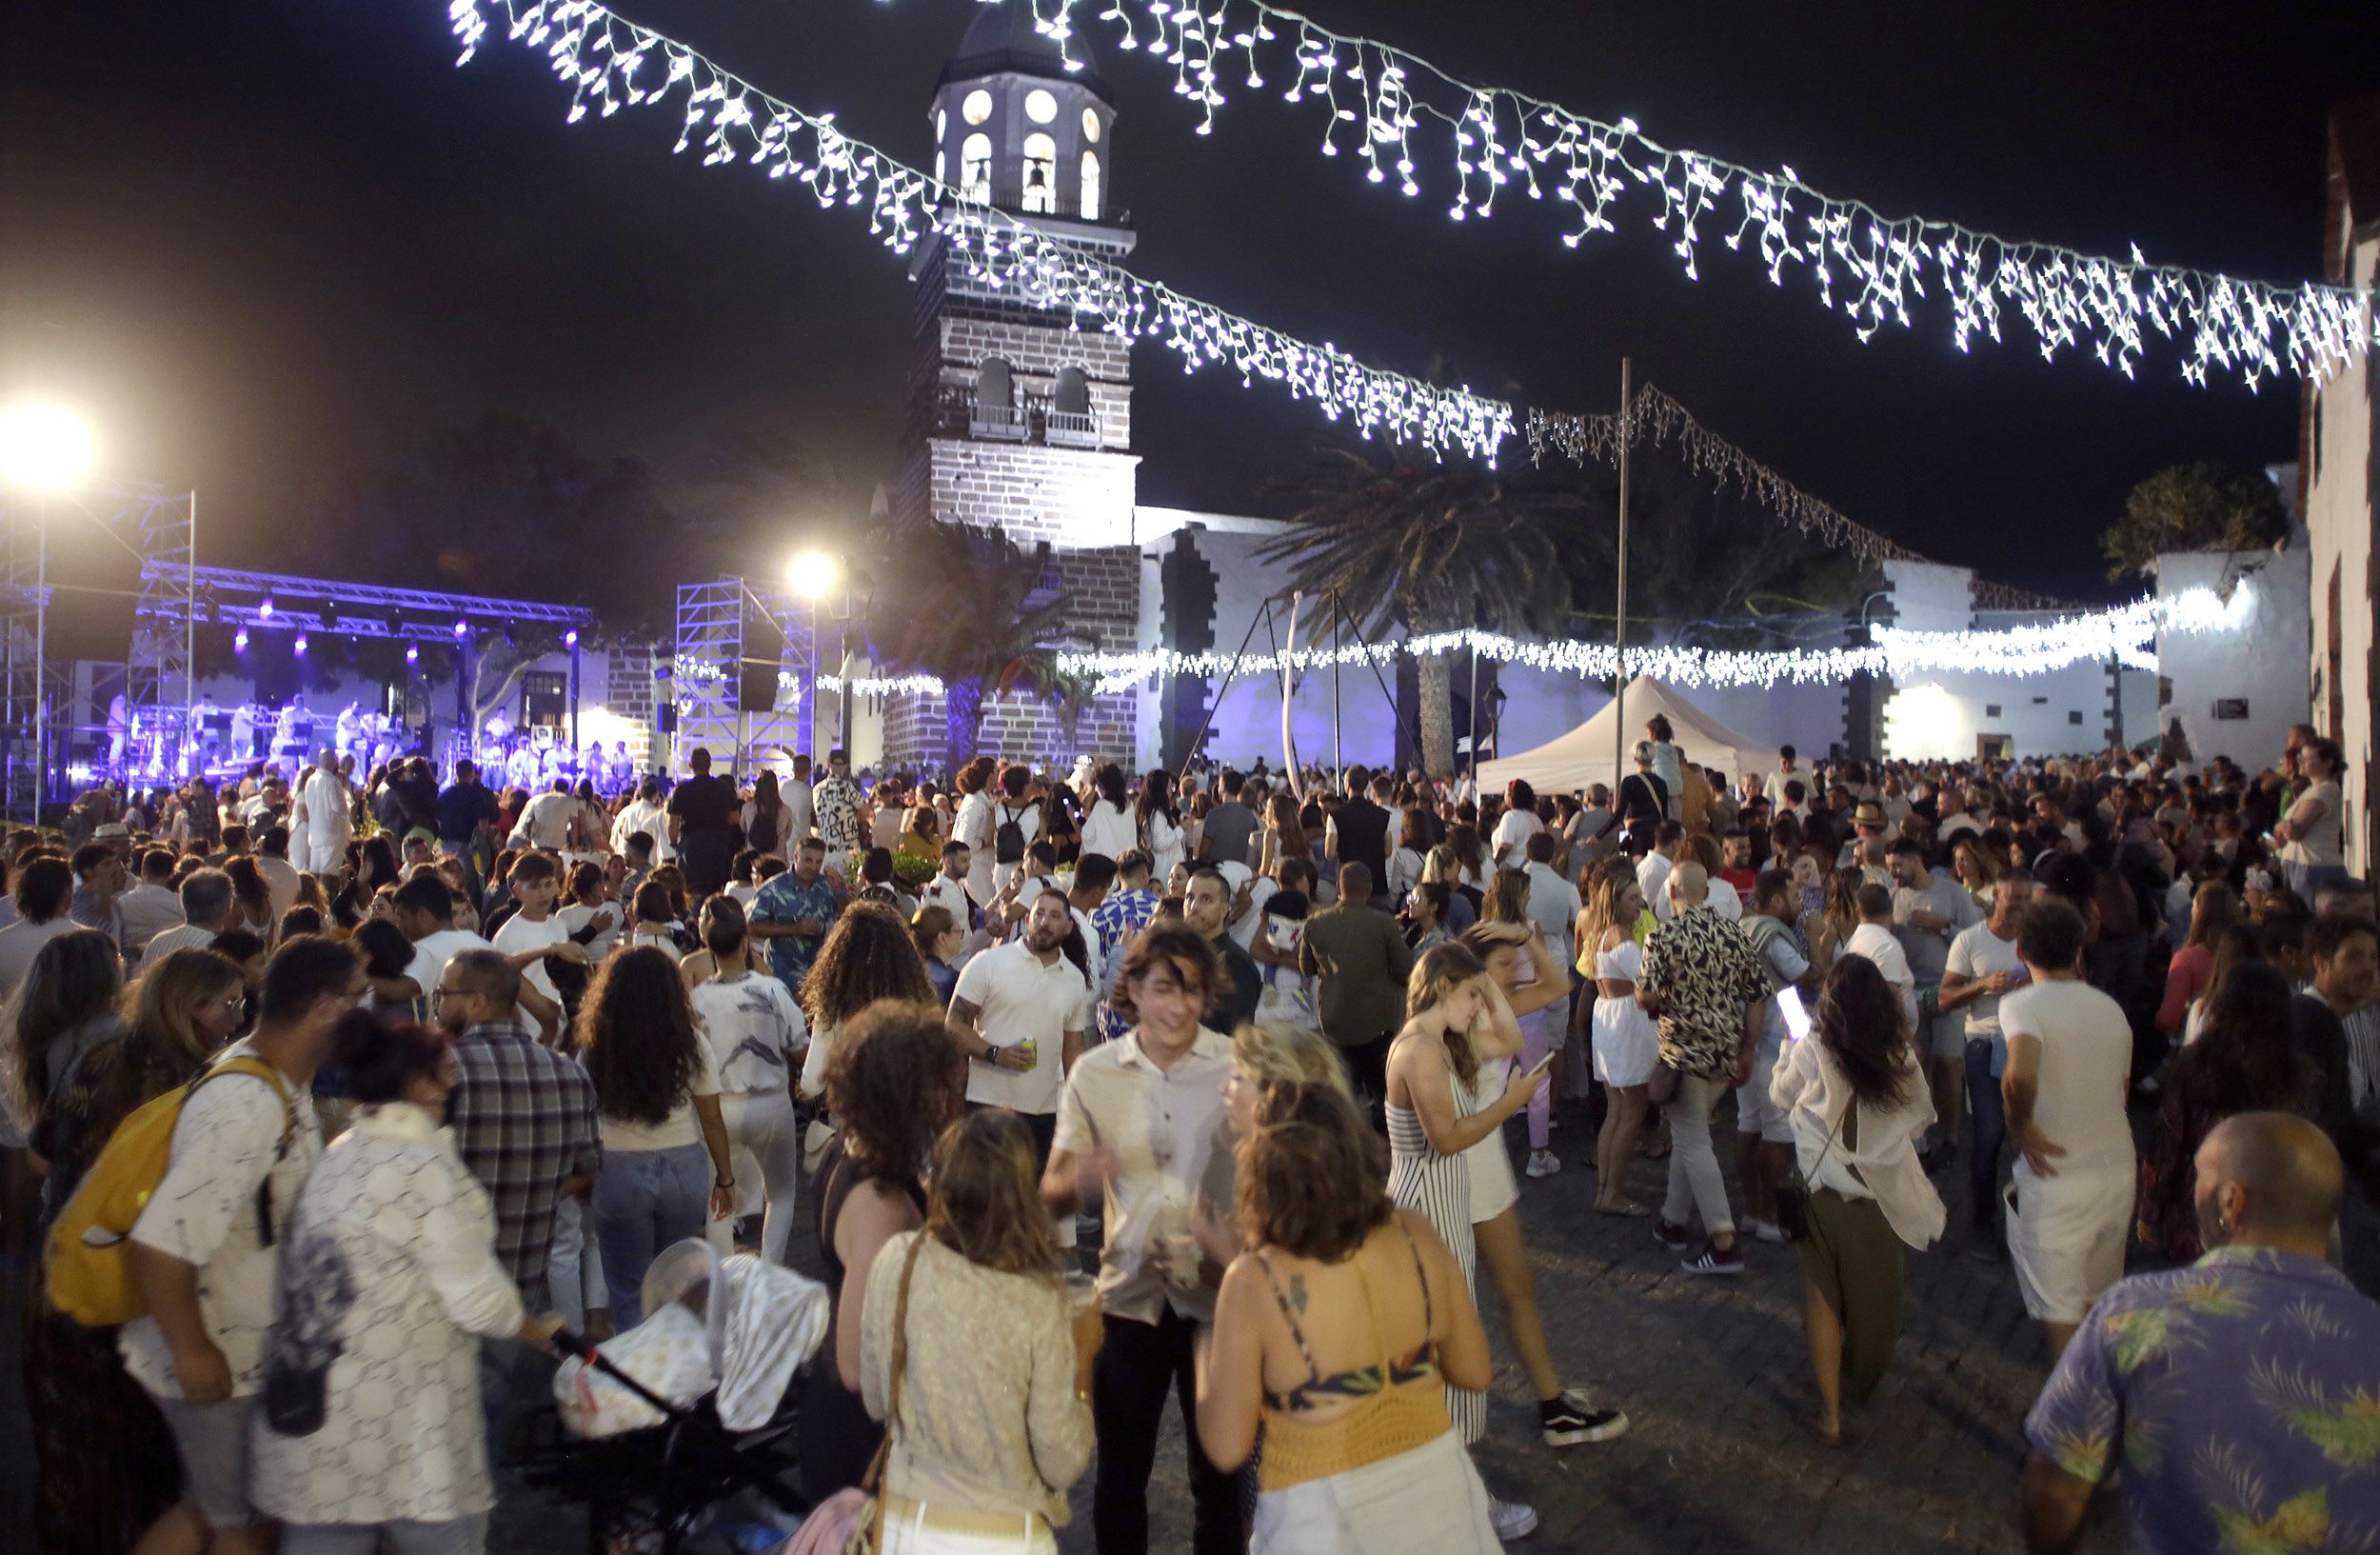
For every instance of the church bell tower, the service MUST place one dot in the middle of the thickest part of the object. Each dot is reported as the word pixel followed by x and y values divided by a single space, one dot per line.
pixel 1019 420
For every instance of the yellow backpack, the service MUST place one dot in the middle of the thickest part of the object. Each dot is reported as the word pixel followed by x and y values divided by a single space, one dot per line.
pixel 88 1277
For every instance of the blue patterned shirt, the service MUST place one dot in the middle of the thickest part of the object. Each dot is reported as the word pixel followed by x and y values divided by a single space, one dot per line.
pixel 785 900
pixel 1118 919
pixel 2240 1397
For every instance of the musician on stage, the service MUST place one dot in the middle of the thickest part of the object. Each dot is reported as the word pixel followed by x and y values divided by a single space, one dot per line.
pixel 325 817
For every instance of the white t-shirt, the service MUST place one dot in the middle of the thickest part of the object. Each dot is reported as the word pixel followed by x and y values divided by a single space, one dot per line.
pixel 324 796
pixel 2320 845
pixel 578 915
pixel 1019 998
pixel 432 952
pixel 204 1212
pixel 519 934
pixel 1876 942
pixel 1553 904
pixel 679 1129
pixel 2086 1065
pixel 1513 830
pixel 1978 953
pixel 755 1030
pixel 1108 831
pixel 1653 880
pixel 546 819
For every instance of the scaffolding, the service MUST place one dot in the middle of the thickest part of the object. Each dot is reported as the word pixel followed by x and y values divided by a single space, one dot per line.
pixel 717 643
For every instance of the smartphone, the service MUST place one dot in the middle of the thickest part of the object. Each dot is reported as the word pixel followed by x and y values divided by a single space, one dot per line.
pixel 1542 1065
pixel 1796 1015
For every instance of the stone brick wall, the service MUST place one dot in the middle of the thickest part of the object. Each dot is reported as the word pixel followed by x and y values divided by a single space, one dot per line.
pixel 628 691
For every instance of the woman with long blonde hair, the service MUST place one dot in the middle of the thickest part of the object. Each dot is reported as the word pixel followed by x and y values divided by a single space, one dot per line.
pixel 1626 1039
pixel 1433 1066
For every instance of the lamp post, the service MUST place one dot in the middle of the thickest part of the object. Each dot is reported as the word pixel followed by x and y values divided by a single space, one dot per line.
pixel 44 448
pixel 814 574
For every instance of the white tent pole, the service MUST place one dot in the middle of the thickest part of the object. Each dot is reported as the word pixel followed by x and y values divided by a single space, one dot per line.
pixel 1620 609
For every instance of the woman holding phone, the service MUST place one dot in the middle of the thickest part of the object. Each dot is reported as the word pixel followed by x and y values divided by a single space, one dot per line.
pixel 1565 1416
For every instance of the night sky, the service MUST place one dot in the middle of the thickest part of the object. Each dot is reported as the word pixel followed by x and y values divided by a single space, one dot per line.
pixel 271 243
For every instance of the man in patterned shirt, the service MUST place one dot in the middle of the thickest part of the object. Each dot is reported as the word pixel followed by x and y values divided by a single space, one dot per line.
pixel 793 911
pixel 524 1118
pixel 2236 1395
pixel 1126 911
pixel 1703 980
pixel 836 800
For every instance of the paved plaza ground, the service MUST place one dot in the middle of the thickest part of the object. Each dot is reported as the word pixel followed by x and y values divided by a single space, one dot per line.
pixel 1711 1372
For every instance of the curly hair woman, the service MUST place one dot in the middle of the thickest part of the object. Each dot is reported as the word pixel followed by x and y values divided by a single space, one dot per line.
pixel 896 1080
pixel 657 1091
pixel 868 955
pixel 1855 1096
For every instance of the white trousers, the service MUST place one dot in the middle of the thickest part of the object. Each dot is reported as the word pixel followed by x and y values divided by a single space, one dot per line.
pixel 574 1265
pixel 766 1154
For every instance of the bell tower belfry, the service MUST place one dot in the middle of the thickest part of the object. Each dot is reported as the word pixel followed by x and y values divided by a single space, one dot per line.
pixel 1018 419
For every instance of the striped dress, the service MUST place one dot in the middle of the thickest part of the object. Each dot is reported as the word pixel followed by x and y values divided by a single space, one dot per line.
pixel 1439 1187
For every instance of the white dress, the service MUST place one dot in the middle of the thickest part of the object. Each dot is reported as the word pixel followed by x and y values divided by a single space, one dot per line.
pixel 388 1273
pixel 1627 1041
pixel 1492 1189
pixel 1165 845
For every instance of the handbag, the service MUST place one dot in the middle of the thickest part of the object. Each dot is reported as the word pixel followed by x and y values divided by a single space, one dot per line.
pixel 867 1532
pixel 1792 1194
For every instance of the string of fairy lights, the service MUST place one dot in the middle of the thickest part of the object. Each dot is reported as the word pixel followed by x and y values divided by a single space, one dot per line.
pixel 611 63
pixel 1389 112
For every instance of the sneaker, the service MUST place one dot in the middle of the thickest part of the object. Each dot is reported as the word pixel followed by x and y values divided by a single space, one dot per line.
pixel 1543 1162
pixel 1569 1420
pixel 1513 1519
pixel 1764 1230
pixel 1712 1261
pixel 1672 1237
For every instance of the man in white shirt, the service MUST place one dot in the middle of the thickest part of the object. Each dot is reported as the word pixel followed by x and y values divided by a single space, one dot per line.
pixel 202 1252
pixel 1982 968
pixel 757 1035
pixel 1019 1014
pixel 1874 941
pixel 2070 1055
pixel 1669 841
pixel 643 813
pixel 44 887
pixel 546 819
pixel 324 818
pixel 794 792
pixel 1554 903
pixel 424 909
pixel 1136 1131
pixel 1930 911
pixel 149 907
pixel 1786 772
pixel 536 934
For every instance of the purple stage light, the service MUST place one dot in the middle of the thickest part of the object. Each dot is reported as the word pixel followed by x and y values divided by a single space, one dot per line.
pixel 570 638
pixel 461 629
pixel 413 653
pixel 264 612
pixel 239 641
pixel 299 646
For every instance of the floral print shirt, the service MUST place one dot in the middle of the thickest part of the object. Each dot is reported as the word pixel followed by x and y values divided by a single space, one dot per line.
pixel 2241 1398
pixel 1705 972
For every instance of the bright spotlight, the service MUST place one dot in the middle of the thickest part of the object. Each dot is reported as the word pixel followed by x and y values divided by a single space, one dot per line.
pixel 461 630
pixel 813 575
pixel 239 641
pixel 299 646
pixel 46 447
pixel 264 610
pixel 413 653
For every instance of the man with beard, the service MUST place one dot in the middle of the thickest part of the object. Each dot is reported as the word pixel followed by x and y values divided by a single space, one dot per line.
pixel 1019 1012
pixel 2227 1393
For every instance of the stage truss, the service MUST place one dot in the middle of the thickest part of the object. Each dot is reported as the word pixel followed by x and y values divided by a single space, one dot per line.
pixel 723 628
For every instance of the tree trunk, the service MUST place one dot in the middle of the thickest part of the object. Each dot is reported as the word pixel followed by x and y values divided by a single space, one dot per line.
pixel 1433 675
pixel 962 723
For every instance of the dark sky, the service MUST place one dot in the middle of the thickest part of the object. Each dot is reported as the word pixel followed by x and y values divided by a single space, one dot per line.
pixel 268 243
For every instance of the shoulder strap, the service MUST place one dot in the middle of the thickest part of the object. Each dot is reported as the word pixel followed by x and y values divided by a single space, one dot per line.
pixel 901 1333
pixel 1429 1314
pixel 1288 1316
pixel 258 1068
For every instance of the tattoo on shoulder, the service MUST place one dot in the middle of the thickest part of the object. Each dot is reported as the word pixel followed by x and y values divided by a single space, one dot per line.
pixel 1298 1293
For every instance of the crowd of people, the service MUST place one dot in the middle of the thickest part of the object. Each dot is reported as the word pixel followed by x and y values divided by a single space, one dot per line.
pixel 1104 1092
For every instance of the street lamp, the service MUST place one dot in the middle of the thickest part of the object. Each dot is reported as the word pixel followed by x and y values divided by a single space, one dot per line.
pixel 813 575
pixel 47 449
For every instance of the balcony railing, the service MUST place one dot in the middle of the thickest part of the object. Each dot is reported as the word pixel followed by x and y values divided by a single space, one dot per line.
pixel 959 409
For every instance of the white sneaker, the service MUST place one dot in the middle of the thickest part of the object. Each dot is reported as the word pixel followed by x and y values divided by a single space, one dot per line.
pixel 1544 1164
pixel 1512 1519
pixel 1765 1231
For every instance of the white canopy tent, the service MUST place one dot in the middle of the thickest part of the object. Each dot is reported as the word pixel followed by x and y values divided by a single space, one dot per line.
pixel 1589 755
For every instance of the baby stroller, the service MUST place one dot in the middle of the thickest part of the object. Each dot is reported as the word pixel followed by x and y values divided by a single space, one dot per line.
pixel 692 1413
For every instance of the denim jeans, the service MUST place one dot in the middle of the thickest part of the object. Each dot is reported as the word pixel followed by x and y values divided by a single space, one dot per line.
pixel 1987 1116
pixel 646 1200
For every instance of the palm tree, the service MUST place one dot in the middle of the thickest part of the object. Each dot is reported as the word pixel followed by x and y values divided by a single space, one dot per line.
pixel 1432 547
pixel 970 607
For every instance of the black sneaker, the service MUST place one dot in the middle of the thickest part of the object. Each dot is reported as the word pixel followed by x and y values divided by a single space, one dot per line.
pixel 1567 1421
pixel 1713 1260
pixel 1672 1237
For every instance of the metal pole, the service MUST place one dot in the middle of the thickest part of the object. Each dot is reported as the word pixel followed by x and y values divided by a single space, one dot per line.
pixel 1338 750
pixel 574 701
pixel 1620 607
pixel 189 642
pixel 1472 650
pixel 41 655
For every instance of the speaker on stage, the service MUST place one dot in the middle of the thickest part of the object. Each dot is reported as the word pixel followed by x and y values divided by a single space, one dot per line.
pixel 764 650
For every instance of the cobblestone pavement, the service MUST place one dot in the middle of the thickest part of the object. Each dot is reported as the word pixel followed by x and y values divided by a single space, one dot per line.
pixel 1714 1377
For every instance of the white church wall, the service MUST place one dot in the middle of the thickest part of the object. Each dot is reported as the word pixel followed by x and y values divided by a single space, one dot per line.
pixel 2236 693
